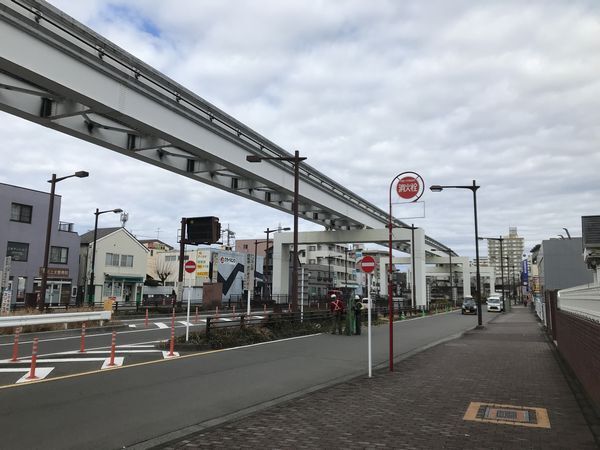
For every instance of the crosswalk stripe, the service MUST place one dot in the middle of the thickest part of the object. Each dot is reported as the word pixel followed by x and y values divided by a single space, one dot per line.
pixel 117 350
pixel 118 362
pixel 62 360
pixel 40 373
pixel 160 325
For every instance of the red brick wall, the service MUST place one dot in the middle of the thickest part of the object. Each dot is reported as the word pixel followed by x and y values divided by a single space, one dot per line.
pixel 579 344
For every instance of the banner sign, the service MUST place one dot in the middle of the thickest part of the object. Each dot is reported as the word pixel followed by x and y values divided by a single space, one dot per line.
pixel 525 274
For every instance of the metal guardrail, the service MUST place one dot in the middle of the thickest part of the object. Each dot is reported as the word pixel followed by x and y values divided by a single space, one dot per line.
pixel 43 319
pixel 582 300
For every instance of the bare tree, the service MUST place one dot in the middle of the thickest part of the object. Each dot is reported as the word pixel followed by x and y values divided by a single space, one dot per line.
pixel 164 269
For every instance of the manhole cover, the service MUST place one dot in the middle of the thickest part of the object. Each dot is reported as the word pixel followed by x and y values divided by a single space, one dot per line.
pixel 508 414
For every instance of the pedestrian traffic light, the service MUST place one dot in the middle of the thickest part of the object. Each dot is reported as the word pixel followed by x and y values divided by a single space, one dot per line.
pixel 203 230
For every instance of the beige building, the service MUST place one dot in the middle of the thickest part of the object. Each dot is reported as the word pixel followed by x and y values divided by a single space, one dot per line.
pixel 156 267
pixel 512 250
pixel 120 265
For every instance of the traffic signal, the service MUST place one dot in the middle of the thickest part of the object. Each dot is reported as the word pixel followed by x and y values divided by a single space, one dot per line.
pixel 203 230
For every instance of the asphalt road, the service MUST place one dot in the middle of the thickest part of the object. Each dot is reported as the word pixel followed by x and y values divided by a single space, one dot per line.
pixel 135 404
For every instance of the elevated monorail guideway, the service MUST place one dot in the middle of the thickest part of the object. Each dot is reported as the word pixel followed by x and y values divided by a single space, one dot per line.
pixel 58 73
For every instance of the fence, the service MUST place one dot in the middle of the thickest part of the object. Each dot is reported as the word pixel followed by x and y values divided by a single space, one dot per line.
pixel 42 319
pixel 581 300
pixel 572 318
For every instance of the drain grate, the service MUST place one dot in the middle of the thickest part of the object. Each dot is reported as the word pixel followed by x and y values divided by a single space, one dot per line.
pixel 508 414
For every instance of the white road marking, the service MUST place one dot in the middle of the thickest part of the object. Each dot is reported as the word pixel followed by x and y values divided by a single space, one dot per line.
pixel 185 323
pixel 224 319
pixel 136 346
pixel 161 325
pixel 40 373
pixel 59 360
pixel 131 326
pixel 102 352
pixel 118 362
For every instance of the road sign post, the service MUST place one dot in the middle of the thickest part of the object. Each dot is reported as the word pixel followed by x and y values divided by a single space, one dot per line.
pixel 367 265
pixel 189 267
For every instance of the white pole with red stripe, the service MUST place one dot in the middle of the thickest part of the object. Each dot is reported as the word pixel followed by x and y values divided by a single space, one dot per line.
pixel 113 349
pixel 15 354
pixel 172 344
pixel 82 346
pixel 33 360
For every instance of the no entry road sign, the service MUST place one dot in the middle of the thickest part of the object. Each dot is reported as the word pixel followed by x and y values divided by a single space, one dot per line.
pixel 367 264
pixel 190 266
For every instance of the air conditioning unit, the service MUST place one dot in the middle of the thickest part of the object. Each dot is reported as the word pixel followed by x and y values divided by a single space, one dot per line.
pixel 590 230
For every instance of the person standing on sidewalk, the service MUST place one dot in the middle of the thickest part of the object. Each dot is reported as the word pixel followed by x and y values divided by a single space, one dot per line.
pixel 336 306
pixel 357 314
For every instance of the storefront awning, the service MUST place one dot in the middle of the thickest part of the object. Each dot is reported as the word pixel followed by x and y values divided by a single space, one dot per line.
pixel 128 279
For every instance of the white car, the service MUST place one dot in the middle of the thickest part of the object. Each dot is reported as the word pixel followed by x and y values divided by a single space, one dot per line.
pixel 494 303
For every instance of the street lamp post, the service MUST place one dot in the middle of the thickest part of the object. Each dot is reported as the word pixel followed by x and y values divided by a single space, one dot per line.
pixel 53 181
pixel 91 293
pixel 296 160
pixel 473 188
pixel 329 272
pixel 256 242
pixel 509 290
pixel 269 231
pixel 501 240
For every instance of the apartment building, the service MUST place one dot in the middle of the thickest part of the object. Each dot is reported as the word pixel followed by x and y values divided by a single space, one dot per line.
pixel 512 252
pixel 23 222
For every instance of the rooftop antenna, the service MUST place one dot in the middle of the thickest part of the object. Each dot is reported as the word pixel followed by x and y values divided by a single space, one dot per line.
pixel 124 218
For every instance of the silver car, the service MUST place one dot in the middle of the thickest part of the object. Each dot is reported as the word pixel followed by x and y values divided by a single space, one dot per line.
pixel 494 303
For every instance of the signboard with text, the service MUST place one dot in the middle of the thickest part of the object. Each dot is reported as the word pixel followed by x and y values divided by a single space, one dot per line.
pixel 409 186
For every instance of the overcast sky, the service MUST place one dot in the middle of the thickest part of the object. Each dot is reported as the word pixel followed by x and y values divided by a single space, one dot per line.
pixel 504 92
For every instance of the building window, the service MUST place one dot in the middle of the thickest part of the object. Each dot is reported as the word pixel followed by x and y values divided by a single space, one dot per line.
pixel 20 213
pixel 18 251
pixel 112 259
pixel 126 260
pixel 245 246
pixel 59 255
pixel 170 258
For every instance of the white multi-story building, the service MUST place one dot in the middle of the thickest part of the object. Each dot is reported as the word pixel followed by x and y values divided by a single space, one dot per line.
pixel 512 251
pixel 338 262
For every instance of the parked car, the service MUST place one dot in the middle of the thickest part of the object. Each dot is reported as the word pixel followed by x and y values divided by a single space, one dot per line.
pixel 494 303
pixel 469 306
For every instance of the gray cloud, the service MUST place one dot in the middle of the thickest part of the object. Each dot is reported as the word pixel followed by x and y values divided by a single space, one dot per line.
pixel 501 92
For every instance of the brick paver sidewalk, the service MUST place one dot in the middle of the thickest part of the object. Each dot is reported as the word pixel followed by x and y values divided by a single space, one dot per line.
pixel 422 404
